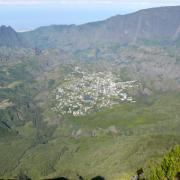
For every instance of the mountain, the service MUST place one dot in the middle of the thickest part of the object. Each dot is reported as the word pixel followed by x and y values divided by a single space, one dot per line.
pixel 99 99
pixel 149 24
pixel 9 37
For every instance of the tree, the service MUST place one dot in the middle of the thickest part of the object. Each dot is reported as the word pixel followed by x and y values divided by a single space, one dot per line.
pixel 168 167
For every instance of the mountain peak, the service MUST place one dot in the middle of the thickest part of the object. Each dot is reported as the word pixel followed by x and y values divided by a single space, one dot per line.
pixel 9 37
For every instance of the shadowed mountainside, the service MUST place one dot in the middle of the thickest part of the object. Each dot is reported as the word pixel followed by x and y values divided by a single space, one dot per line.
pixel 149 24
pixel 9 37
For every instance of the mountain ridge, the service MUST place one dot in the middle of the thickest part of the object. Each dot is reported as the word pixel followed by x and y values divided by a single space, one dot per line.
pixel 149 24
pixel 161 23
pixel 99 21
pixel 9 37
pixel 65 68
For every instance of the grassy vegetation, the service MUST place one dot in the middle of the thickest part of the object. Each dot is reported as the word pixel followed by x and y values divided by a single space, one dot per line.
pixel 145 111
pixel 145 131
pixel 167 167
pixel 112 143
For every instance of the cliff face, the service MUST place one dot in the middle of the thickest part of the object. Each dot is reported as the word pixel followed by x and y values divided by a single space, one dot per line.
pixel 9 37
pixel 150 24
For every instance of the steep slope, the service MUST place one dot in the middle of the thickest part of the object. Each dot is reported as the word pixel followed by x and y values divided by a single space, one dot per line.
pixel 113 142
pixel 150 24
pixel 9 37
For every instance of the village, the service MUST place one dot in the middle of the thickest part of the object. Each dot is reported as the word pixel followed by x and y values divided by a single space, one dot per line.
pixel 82 92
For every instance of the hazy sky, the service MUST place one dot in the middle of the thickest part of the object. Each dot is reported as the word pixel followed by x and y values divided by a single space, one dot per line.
pixel 29 14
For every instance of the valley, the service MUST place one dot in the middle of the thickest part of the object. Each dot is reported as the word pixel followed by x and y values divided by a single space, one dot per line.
pixel 88 101
pixel 82 92
pixel 146 124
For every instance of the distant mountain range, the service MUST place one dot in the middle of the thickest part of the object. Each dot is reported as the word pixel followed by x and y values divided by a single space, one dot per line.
pixel 153 24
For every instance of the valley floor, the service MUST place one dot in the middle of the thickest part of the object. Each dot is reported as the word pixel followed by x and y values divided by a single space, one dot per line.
pixel 112 143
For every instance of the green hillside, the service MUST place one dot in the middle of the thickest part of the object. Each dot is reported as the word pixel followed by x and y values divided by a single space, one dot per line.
pixel 112 143
pixel 87 108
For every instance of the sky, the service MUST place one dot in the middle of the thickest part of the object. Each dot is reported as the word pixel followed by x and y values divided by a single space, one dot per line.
pixel 30 14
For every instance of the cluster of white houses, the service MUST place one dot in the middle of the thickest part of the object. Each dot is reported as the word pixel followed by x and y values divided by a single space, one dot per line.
pixel 82 92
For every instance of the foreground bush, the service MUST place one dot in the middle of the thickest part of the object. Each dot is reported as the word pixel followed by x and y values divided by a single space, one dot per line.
pixel 168 167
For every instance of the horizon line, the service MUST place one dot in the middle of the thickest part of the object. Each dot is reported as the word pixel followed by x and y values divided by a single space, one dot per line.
pixel 81 24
